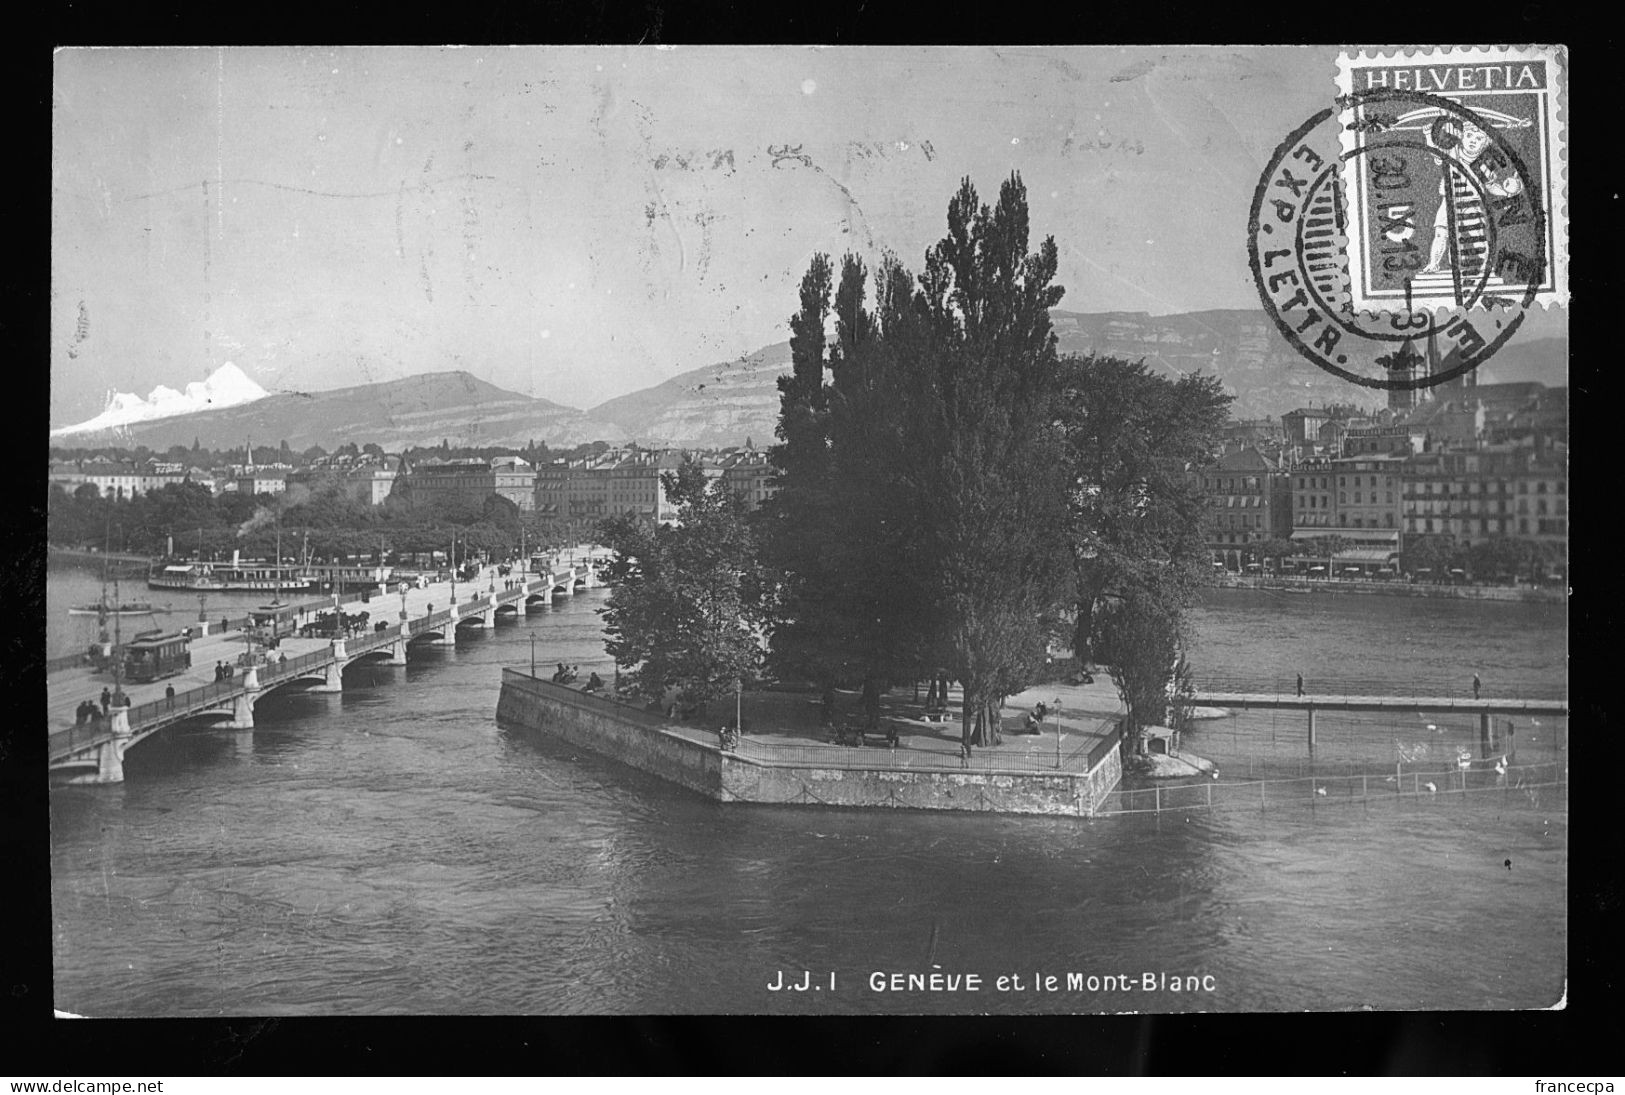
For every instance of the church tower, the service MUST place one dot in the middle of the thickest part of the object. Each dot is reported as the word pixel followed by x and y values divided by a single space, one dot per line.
pixel 1401 365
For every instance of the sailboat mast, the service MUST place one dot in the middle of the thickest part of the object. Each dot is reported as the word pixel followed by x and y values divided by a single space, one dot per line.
pixel 118 643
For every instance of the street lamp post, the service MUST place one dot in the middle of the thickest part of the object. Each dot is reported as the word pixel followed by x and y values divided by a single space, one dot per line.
pixel 452 559
pixel 276 596
pixel 403 603
pixel 533 654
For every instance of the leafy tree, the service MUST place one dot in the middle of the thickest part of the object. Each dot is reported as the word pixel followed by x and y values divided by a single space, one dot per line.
pixel 1277 549
pixel 1430 553
pixel 685 611
pixel 1132 440
pixel 501 512
pixel 1143 633
pixel 1511 557
pixel 177 507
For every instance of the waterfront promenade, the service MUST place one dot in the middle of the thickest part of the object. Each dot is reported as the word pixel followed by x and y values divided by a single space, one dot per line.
pixel 787 728
pixel 786 756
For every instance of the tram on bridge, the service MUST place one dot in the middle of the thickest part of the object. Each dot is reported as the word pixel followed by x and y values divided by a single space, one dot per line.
pixel 275 619
pixel 154 655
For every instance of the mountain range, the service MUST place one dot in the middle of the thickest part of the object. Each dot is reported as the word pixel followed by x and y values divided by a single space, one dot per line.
pixel 730 402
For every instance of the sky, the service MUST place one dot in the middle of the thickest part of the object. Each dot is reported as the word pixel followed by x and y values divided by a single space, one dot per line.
pixel 579 223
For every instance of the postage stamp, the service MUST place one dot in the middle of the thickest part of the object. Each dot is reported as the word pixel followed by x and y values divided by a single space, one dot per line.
pixel 1450 207
pixel 1399 237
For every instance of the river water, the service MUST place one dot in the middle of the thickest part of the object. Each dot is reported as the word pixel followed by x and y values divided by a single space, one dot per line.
pixel 392 850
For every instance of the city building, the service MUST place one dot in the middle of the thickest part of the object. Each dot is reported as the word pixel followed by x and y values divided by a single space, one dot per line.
pixel 634 482
pixel 587 491
pixel 371 483
pixel 1249 502
pixel 749 475
pixel 66 474
pixel 262 481
pixel 463 484
pixel 1473 495
pixel 552 489
pixel 1303 425
pixel 1356 500
pixel 515 480
pixel 120 480
pixel 1454 418
pixel 621 482
pixel 1389 440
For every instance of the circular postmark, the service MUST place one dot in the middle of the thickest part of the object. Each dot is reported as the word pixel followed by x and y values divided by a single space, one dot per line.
pixel 1429 207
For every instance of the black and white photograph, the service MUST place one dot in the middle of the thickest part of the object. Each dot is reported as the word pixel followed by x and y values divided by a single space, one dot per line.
pixel 808 530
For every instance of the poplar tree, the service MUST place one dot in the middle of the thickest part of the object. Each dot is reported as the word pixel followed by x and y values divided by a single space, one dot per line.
pixel 941 539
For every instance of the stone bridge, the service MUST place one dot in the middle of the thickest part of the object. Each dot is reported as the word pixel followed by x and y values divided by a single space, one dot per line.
pixel 93 752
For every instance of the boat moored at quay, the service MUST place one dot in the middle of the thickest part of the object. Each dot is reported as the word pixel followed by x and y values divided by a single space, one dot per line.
pixel 346 576
pixel 199 576
pixel 204 576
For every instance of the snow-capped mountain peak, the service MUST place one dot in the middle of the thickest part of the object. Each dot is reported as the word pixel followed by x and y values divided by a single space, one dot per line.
pixel 227 386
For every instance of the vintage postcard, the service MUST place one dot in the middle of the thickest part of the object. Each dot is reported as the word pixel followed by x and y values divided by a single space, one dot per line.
pixel 766 530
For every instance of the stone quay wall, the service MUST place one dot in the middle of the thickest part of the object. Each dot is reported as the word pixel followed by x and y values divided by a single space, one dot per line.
pixel 1359 587
pixel 645 741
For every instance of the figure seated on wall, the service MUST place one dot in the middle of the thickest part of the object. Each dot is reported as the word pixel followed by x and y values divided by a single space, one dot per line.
pixel 595 683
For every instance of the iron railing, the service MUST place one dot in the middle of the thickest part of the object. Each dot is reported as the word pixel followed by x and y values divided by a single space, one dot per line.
pixel 1529 782
pixel 271 671
pixel 67 661
pixel 1427 687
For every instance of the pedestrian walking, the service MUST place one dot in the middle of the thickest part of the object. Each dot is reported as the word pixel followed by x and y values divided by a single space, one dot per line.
pixel 169 696
pixel 1477 684
pixel 1300 684
pixel 107 699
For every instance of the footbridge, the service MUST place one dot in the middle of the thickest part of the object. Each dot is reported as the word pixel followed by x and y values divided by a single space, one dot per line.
pixel 1310 703
pixel 93 751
